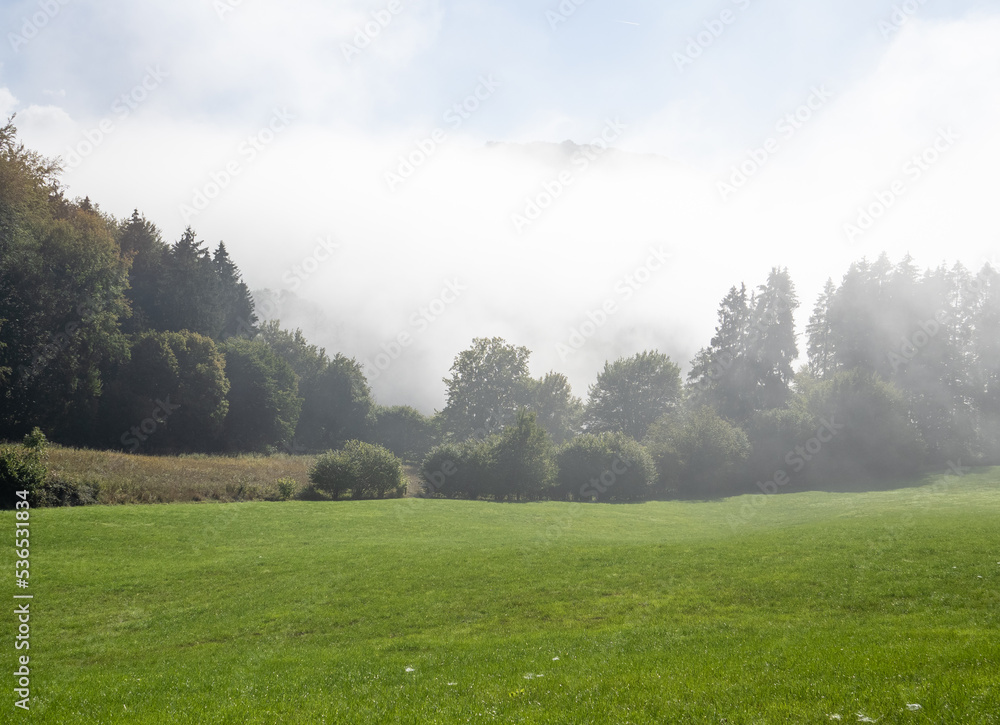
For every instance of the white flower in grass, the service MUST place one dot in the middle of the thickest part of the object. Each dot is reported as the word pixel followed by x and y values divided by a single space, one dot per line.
pixel 556 658
pixel 409 669
pixel 864 718
pixel 913 708
pixel 452 684
pixel 834 716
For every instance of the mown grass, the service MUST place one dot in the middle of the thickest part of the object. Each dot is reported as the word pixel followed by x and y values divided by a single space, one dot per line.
pixel 433 611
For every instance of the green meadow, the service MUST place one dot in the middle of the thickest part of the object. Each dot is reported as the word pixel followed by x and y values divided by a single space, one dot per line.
pixel 795 608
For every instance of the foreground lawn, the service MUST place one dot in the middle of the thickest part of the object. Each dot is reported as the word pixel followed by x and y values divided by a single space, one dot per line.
pixel 803 607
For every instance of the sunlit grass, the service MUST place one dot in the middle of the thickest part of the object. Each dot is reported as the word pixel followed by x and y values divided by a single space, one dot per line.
pixel 818 604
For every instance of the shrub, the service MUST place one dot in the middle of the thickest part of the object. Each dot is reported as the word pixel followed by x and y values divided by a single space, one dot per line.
pixel 869 433
pixel 404 431
pixel 455 470
pixel 520 460
pixel 773 436
pixel 365 470
pixel 22 468
pixel 604 467
pixel 514 464
pixel 64 492
pixel 699 454
pixel 286 488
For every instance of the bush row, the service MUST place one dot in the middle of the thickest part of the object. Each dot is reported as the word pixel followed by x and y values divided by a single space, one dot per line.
pixel 520 463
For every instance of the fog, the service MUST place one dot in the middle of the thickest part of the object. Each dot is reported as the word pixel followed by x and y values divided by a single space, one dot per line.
pixel 362 205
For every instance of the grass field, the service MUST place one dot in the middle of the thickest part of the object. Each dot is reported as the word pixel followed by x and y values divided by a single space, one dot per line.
pixel 795 609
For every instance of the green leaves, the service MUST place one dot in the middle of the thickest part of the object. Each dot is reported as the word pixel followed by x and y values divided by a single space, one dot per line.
pixel 632 393
pixel 488 383
pixel 264 405
pixel 365 470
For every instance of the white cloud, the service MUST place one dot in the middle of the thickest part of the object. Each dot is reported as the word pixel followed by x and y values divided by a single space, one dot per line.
pixel 325 175
pixel 8 103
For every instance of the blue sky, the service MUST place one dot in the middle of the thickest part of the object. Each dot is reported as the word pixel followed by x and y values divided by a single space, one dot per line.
pixel 589 66
pixel 216 75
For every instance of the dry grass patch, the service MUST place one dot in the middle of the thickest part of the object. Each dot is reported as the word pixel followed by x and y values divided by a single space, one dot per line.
pixel 124 478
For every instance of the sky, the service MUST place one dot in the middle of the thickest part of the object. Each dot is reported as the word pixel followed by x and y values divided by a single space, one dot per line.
pixel 392 175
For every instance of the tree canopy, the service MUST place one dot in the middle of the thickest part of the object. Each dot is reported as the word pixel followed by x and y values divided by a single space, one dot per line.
pixel 632 393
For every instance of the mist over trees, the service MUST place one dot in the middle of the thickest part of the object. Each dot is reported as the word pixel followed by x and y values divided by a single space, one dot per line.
pixel 111 336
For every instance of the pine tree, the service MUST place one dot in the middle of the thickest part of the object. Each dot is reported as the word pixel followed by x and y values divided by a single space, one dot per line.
pixel 771 343
pixel 189 290
pixel 235 302
pixel 821 351
pixel 721 375
pixel 140 241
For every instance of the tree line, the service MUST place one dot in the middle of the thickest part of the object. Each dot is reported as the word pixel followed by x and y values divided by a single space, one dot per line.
pixel 112 337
